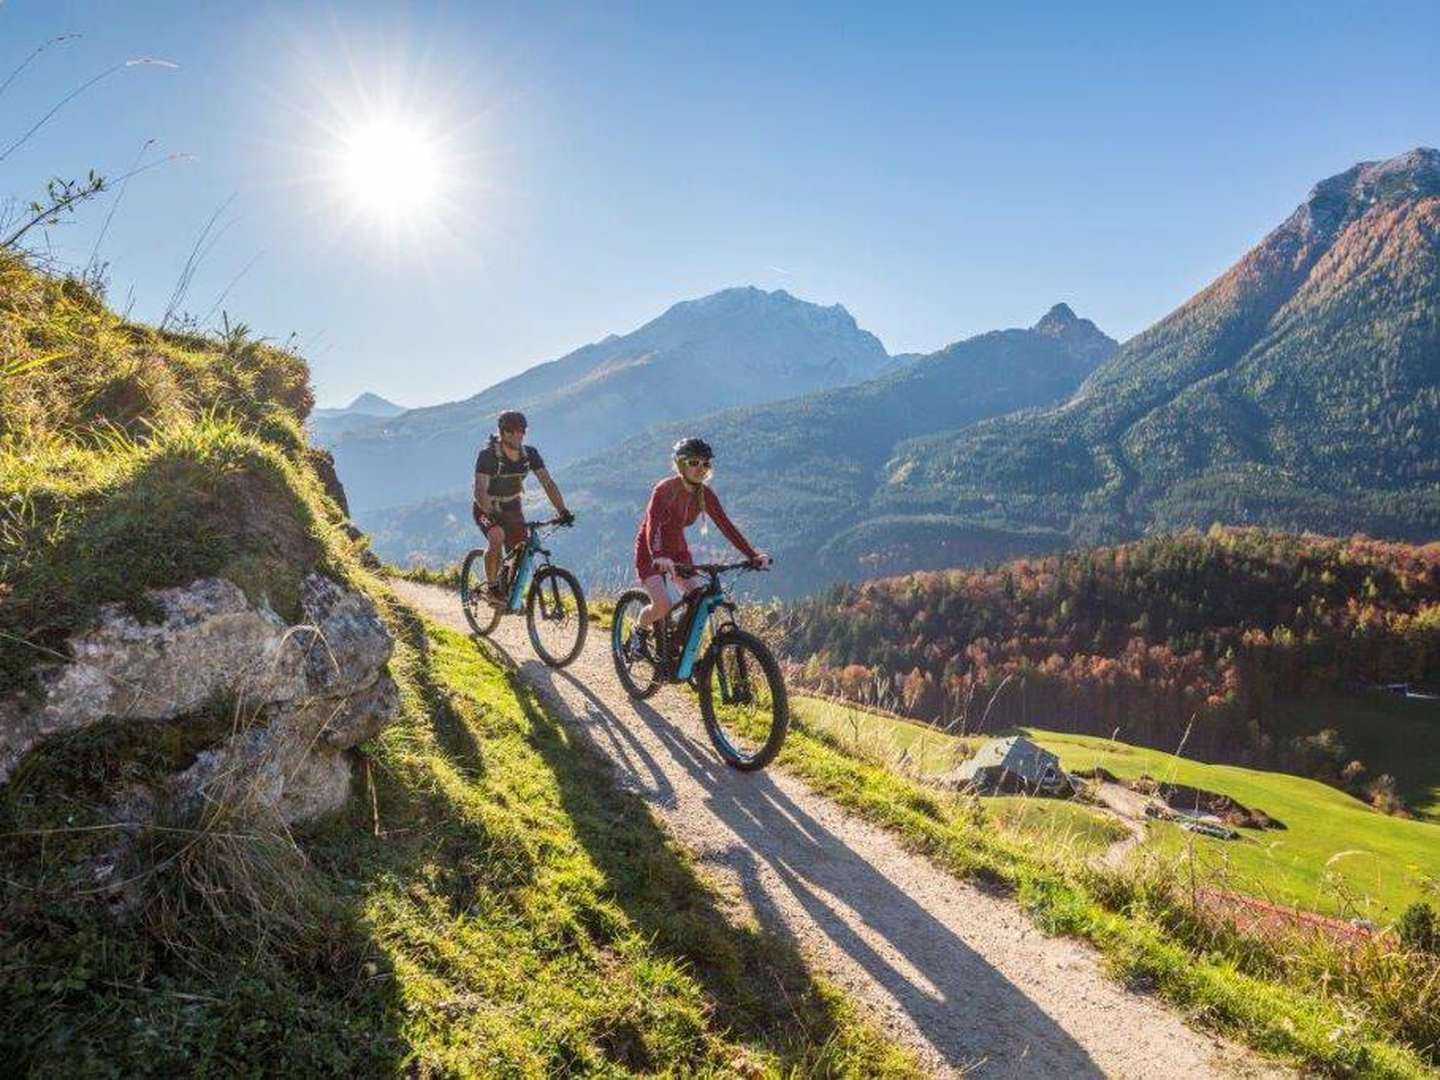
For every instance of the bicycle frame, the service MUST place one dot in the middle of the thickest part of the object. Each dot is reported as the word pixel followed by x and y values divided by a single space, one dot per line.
pixel 702 609
pixel 524 570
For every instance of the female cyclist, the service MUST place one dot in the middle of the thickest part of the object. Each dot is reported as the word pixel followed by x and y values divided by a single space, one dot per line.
pixel 675 504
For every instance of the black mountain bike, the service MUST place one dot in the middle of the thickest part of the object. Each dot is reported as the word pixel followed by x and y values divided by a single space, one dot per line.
pixel 742 695
pixel 552 599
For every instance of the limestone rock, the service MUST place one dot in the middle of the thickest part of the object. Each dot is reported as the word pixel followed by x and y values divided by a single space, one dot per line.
pixel 303 694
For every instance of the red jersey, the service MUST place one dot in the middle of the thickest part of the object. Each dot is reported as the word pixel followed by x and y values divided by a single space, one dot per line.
pixel 673 508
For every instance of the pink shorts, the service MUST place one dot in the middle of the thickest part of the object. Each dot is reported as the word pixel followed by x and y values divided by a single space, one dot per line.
pixel 655 585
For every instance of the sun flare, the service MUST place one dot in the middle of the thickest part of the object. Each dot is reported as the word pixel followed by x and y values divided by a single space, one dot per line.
pixel 392 169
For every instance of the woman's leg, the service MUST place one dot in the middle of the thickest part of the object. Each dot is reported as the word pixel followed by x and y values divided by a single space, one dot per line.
pixel 659 605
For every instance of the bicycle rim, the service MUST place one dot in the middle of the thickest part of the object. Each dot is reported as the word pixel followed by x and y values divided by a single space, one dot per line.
pixel 478 613
pixel 743 700
pixel 555 616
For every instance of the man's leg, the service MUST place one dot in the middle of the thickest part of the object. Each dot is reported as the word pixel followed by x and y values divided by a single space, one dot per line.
pixel 496 537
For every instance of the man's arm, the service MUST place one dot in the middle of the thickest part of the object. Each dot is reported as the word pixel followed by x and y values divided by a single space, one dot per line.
pixel 482 494
pixel 552 492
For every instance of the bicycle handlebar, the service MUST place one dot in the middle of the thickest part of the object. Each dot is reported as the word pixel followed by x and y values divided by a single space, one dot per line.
pixel 553 521
pixel 686 570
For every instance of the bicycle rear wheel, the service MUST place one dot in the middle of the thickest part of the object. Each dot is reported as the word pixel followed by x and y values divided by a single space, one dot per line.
pixel 482 617
pixel 636 661
pixel 743 700
pixel 555 616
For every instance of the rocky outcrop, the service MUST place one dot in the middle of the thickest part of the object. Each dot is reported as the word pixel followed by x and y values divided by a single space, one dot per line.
pixel 302 693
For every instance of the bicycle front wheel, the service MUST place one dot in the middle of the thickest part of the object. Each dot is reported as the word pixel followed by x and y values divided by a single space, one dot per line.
pixel 480 614
pixel 555 616
pixel 743 700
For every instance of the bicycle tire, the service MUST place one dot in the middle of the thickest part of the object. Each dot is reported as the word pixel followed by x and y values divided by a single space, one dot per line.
pixel 537 598
pixel 744 643
pixel 472 603
pixel 637 686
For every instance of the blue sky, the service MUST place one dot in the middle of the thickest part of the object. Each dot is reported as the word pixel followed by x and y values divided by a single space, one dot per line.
pixel 940 171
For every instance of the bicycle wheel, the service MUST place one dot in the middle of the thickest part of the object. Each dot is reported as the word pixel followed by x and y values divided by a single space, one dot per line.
pixel 743 701
pixel 636 664
pixel 555 616
pixel 482 617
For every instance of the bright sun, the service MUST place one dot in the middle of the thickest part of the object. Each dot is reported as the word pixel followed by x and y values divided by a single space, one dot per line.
pixel 392 169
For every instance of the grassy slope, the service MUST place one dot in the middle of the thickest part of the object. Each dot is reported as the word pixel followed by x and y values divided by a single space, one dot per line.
pixel 1389 861
pixel 1336 855
pixel 132 459
pixel 516 915
pixel 1389 734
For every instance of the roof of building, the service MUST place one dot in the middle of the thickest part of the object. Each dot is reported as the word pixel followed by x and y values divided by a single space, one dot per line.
pixel 1015 753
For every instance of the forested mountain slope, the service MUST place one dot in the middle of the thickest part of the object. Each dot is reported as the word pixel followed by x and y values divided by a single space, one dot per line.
pixel 1207 639
pixel 1301 389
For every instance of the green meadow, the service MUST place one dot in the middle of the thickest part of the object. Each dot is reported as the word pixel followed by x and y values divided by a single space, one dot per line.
pixel 1335 855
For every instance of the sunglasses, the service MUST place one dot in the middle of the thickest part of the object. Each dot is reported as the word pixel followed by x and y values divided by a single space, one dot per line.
pixel 514 430
pixel 695 462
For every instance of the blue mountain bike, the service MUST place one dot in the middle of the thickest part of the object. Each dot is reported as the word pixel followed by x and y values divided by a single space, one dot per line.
pixel 550 597
pixel 742 694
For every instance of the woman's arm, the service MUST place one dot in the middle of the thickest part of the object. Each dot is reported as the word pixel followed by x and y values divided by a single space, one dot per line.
pixel 726 526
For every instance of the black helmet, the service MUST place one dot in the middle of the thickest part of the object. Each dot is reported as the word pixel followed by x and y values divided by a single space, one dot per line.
pixel 510 420
pixel 693 447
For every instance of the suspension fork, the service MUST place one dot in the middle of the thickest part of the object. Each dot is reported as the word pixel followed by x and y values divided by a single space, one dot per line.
pixel 718 624
pixel 727 693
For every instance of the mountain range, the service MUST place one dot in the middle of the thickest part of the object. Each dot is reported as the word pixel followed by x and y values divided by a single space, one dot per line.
pixel 795 472
pixel 734 347
pixel 1299 390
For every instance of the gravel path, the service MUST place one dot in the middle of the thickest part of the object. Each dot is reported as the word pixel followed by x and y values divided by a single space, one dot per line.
pixel 959 975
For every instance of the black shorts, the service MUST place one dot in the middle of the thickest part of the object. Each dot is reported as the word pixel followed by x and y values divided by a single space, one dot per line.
pixel 508 516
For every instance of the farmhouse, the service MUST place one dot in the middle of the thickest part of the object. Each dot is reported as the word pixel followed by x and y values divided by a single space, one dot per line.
pixel 1013 764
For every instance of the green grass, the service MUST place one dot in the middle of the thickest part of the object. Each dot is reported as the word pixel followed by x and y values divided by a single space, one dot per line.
pixel 1336 855
pixel 915 750
pixel 515 916
pixel 1372 1012
pixel 925 750
pixel 1388 734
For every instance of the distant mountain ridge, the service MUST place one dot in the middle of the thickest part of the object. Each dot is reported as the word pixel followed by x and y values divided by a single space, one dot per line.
pixel 735 347
pixel 1300 390
pixel 797 473
pixel 328 425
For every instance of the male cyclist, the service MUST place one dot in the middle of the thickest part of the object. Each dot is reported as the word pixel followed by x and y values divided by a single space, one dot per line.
pixel 500 471
pixel 676 503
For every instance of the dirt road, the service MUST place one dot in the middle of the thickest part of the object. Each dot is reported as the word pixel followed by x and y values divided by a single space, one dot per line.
pixel 957 974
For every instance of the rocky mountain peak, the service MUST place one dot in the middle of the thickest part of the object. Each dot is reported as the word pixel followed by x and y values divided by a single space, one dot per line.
pixel 1338 200
pixel 1058 318
pixel 1081 337
pixel 374 405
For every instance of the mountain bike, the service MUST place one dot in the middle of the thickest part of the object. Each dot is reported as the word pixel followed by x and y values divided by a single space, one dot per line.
pixel 742 695
pixel 550 596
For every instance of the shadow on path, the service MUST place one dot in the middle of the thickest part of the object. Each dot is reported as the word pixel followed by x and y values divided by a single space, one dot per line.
pixel 969 1011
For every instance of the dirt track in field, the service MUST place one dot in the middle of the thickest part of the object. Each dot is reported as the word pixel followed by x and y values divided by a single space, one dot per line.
pixel 957 974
